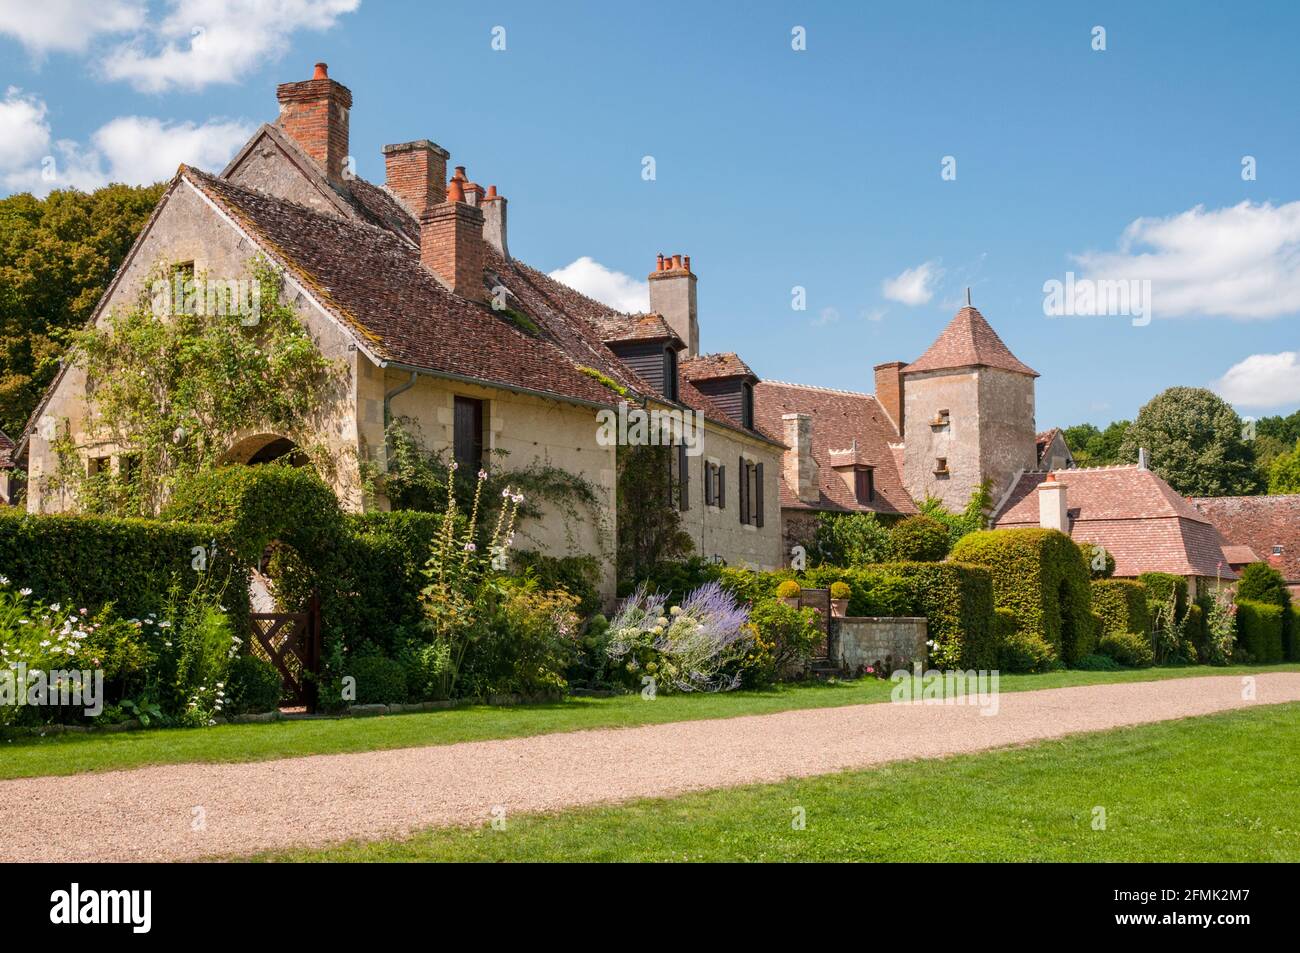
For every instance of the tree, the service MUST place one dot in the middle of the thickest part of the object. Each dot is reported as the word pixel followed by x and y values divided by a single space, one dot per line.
pixel 919 539
pixel 1092 447
pixel 1195 444
pixel 1284 474
pixel 850 539
pixel 57 255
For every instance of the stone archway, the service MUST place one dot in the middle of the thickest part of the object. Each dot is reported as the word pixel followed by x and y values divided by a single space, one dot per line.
pixel 265 448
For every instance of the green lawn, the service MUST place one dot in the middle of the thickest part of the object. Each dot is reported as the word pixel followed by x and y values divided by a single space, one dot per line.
pixel 1218 788
pixel 75 753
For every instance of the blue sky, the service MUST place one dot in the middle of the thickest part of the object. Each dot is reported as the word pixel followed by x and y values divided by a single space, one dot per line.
pixel 776 168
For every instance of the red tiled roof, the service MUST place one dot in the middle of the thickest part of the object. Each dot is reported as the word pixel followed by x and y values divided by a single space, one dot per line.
pixel 1133 513
pixel 1260 522
pixel 968 341
pixel 1239 555
pixel 637 327
pixel 839 419
pixel 712 366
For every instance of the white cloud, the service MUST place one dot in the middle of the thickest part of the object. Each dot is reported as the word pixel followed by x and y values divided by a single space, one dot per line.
pixel 1241 262
pixel 1262 380
pixel 826 316
pixel 200 42
pixel 67 25
pixel 135 150
pixel 915 285
pixel 619 291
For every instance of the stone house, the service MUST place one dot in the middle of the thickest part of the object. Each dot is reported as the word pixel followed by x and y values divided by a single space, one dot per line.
pixel 412 289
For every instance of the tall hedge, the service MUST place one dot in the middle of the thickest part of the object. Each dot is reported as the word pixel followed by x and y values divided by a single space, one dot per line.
pixel 1122 605
pixel 1160 584
pixel 1259 630
pixel 88 561
pixel 1260 582
pixel 1040 575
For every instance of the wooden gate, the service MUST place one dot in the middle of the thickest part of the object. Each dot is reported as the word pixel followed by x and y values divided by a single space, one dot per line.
pixel 819 599
pixel 292 641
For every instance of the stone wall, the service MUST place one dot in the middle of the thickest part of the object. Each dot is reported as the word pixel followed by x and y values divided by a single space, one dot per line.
pixel 864 640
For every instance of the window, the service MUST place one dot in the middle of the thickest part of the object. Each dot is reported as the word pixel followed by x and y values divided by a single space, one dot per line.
pixel 679 475
pixel 747 405
pixel 467 436
pixel 751 492
pixel 1277 550
pixel 97 465
pixel 670 373
pixel 864 484
pixel 128 467
pixel 941 420
pixel 715 482
pixel 941 466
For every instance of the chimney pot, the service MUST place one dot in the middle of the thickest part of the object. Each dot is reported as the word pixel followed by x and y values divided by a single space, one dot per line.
pixel 492 192
pixel 455 191
pixel 686 262
pixel 677 261
pixel 322 71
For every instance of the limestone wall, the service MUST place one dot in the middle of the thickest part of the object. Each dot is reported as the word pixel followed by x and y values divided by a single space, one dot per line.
pixel 856 641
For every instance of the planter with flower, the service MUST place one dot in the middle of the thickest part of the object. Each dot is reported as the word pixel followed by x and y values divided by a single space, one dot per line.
pixel 840 593
pixel 789 592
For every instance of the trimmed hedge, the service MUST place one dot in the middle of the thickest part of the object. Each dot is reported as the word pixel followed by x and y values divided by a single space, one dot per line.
pixel 89 561
pixel 919 538
pixel 1260 582
pixel 1017 651
pixel 1293 649
pixel 1040 575
pixel 1127 648
pixel 577 575
pixel 1122 606
pixel 1159 585
pixel 1259 630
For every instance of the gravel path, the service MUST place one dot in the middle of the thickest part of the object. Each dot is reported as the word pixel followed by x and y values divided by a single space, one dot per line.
pixel 188 811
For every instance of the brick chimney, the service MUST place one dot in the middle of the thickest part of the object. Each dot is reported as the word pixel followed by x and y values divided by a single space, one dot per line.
pixel 889 390
pixel 314 113
pixel 672 294
pixel 416 172
pixel 1052 512
pixel 494 221
pixel 451 243
pixel 799 467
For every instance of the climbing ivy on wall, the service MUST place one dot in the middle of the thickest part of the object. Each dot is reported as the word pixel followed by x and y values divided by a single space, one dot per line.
pixel 649 523
pixel 171 392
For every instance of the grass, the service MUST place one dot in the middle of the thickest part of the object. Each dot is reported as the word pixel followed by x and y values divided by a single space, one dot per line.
pixel 1216 788
pixel 75 753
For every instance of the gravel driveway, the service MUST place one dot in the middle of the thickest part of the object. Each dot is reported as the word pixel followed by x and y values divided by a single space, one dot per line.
pixel 188 811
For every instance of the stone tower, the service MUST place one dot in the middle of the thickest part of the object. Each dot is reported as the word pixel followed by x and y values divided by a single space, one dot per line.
pixel 968 403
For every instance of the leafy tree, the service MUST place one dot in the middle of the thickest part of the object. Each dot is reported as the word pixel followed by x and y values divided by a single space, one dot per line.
pixel 850 539
pixel 1195 442
pixel 1260 582
pixel 974 517
pixel 1284 474
pixel 919 538
pixel 57 255
pixel 1092 447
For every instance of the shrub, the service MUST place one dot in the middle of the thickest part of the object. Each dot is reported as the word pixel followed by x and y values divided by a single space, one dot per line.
pixel 1161 584
pixel 1127 648
pixel 746 585
pixel 840 590
pixel 784 639
pixel 699 645
pixel 1259 630
pixel 919 539
pixel 1019 652
pixel 1260 582
pixel 956 600
pixel 1097 663
pixel 91 561
pixel 1293 648
pixel 579 576
pixel 673 579
pixel 526 645
pixel 253 685
pixel 1040 575
pixel 1101 564
pixel 379 680
pixel 1122 605
pixel 1220 627
pixel 789 589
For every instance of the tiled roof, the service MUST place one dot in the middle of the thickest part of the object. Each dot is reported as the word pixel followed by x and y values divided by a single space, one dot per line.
pixel 968 341
pixel 375 284
pixel 711 366
pixel 637 327
pixel 839 418
pixel 1260 522
pixel 1239 555
pixel 6 451
pixel 1133 513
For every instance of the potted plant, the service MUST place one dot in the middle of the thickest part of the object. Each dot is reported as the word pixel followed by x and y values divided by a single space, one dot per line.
pixel 840 593
pixel 789 592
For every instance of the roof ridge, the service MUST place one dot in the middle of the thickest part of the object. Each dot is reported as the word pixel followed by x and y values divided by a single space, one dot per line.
pixel 819 387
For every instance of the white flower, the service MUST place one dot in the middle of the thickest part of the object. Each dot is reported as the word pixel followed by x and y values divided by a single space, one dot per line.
pixel 470 547
pixel 44 643
pixel 452 466
pixel 675 610
pixel 4 580
pixel 24 592
pixel 482 474
pixel 55 607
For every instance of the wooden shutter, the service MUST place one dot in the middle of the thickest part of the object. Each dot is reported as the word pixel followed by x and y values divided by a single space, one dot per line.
pixel 744 491
pixel 758 495
pixel 708 483
pixel 467 433
pixel 684 478
pixel 722 486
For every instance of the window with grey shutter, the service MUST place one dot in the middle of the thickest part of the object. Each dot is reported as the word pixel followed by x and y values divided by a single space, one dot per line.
pixel 744 491
pixel 758 495
pixel 708 483
pixel 683 478
pixel 722 486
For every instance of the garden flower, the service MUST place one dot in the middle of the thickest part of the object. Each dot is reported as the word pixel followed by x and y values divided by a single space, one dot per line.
pixel 4 580
pixel 55 607
pixel 24 592
pixel 675 610
pixel 452 466
pixel 482 474
pixel 470 547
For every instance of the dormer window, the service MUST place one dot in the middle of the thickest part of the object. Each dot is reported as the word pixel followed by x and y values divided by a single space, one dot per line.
pixel 1277 550
pixel 864 484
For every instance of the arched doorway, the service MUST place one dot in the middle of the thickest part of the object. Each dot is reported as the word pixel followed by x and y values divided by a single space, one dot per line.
pixel 266 448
